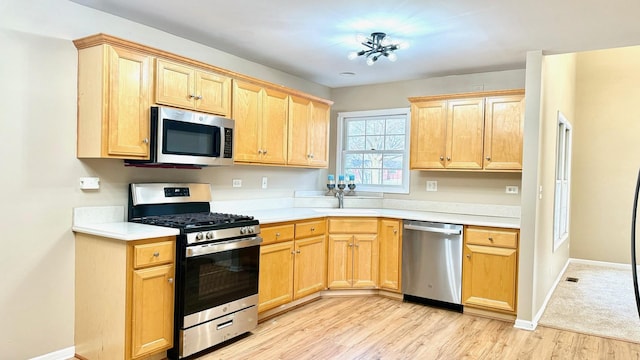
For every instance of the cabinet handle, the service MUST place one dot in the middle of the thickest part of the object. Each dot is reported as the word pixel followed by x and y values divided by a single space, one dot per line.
pixel 199 97
pixel 277 234
pixel 357 245
pixel 264 152
pixel 488 158
pixel 395 231
pixel 441 157
pixel 259 151
pixel 191 96
pixel 156 254
pixel 293 252
pixel 297 251
pixel 350 245
pixel 448 158
pixel 145 140
pixel 313 229
pixel 170 280
pixel 490 239
pixel 469 256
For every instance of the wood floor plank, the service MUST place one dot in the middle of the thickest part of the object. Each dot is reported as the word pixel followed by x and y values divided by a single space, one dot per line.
pixel 366 328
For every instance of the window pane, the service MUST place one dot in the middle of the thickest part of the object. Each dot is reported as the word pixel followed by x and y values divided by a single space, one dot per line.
pixel 394 142
pixel 355 127
pixel 357 173
pixel 353 161
pixel 373 161
pixel 392 177
pixel 392 161
pixel 372 177
pixel 375 142
pixel 375 127
pixel 355 143
pixel 395 126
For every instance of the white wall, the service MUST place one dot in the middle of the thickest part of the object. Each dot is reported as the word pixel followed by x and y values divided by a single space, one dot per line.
pixel 39 170
pixel 606 153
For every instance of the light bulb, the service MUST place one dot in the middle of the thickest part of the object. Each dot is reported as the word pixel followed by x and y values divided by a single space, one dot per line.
pixel 371 60
pixel 403 45
pixel 352 55
pixel 392 57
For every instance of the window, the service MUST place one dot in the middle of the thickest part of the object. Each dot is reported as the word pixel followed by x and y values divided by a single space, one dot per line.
pixel 563 176
pixel 374 147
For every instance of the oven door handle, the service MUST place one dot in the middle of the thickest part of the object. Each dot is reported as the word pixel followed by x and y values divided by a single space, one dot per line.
pixel 217 247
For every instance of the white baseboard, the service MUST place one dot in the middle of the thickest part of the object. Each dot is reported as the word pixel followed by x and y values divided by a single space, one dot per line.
pixel 63 354
pixel 525 325
pixel 600 263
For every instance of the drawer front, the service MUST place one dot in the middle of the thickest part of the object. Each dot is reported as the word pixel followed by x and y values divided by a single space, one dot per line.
pixel 275 234
pixel 492 237
pixel 310 228
pixel 353 226
pixel 153 254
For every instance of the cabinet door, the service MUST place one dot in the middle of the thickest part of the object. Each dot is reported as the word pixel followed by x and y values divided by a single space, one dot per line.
pixel 365 261
pixel 390 254
pixel 175 84
pixel 489 278
pixel 504 122
pixel 247 107
pixel 319 135
pixel 273 129
pixel 152 297
pixel 275 282
pixel 213 93
pixel 428 134
pixel 465 125
pixel 299 123
pixel 340 261
pixel 129 104
pixel 309 266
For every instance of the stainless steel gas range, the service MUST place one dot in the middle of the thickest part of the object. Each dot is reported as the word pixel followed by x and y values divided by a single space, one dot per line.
pixel 217 263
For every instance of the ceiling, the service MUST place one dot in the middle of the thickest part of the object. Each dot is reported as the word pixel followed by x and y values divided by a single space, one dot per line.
pixel 311 39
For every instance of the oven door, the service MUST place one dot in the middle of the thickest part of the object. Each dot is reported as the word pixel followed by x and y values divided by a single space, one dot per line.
pixel 220 278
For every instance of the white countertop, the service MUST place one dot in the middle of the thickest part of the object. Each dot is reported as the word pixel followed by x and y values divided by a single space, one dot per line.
pixel 289 214
pixel 127 231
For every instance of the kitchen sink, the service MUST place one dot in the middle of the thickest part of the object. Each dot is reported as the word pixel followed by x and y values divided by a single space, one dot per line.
pixel 338 211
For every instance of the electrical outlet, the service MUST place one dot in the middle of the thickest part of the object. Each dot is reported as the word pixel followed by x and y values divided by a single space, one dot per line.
pixel 89 183
pixel 511 189
pixel 264 182
pixel 432 185
pixel 237 183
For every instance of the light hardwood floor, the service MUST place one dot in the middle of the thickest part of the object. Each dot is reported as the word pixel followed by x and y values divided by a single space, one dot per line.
pixel 380 328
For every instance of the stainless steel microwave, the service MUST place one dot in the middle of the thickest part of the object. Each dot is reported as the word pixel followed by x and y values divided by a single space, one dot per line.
pixel 185 137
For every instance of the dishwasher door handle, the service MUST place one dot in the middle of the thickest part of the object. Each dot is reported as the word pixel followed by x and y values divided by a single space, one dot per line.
pixel 433 229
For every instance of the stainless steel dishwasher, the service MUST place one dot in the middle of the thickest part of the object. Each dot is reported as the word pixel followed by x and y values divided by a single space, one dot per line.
pixel 432 264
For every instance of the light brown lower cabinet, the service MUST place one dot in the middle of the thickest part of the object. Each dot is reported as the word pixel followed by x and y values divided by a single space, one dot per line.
pixel 352 258
pixel 124 297
pixel 292 262
pixel 390 235
pixel 489 272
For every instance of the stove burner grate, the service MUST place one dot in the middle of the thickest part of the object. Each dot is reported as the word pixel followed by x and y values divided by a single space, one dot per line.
pixel 192 220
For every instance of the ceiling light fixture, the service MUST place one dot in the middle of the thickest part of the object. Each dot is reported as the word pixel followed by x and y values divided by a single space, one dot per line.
pixel 376 46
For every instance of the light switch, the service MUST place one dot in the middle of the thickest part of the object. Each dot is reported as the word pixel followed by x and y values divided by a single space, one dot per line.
pixel 237 183
pixel 432 185
pixel 89 183
pixel 264 182
pixel 511 189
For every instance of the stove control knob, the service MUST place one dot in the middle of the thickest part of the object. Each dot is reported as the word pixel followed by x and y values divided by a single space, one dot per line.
pixel 243 230
pixel 251 230
pixel 210 235
pixel 199 236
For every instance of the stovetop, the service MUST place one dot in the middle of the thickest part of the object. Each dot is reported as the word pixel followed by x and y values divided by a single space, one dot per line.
pixel 198 220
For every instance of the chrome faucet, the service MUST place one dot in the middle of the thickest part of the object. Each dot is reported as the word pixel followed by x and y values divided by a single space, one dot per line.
pixel 340 196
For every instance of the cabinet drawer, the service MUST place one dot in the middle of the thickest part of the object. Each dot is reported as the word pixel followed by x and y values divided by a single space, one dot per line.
pixel 274 234
pixel 492 237
pixel 153 254
pixel 310 228
pixel 353 225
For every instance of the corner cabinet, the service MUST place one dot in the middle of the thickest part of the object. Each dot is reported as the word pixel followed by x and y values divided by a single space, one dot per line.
pixel 115 85
pixel 474 131
pixel 353 253
pixel 124 297
pixel 489 270
pixel 192 88
pixel 292 262
pixel 308 140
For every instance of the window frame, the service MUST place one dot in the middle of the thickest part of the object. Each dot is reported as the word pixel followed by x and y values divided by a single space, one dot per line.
pixel 562 181
pixel 343 117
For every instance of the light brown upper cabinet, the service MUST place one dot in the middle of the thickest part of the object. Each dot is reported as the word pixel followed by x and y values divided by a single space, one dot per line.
pixel 261 124
pixel 474 131
pixel 114 99
pixel 308 133
pixel 191 88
